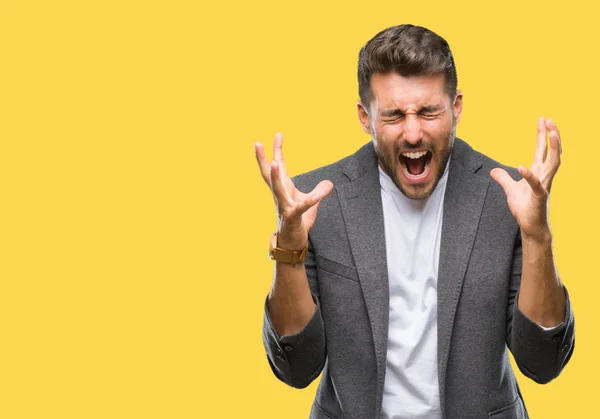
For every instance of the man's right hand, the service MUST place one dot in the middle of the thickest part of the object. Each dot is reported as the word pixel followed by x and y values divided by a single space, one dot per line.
pixel 296 211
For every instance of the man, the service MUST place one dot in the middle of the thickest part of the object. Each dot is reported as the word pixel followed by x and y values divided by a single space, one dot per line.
pixel 426 262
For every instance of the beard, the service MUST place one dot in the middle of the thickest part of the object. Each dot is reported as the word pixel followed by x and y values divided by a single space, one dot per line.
pixel 390 161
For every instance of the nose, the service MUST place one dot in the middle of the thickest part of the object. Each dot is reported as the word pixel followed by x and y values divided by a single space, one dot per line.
pixel 412 129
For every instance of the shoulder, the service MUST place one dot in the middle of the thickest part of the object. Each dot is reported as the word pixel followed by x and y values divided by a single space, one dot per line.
pixel 478 162
pixel 480 165
pixel 338 172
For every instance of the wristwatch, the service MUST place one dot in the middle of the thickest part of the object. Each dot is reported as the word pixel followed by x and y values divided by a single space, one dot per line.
pixel 282 255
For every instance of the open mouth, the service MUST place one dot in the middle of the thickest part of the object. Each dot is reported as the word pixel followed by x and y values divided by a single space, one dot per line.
pixel 416 164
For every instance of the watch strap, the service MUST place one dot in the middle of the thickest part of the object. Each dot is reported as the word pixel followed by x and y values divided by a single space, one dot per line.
pixel 283 255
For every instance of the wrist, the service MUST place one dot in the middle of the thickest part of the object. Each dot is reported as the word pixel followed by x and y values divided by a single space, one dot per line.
pixel 291 238
pixel 541 236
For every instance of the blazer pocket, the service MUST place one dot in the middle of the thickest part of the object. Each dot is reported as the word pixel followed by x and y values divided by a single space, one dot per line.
pixel 322 413
pixel 514 410
pixel 337 268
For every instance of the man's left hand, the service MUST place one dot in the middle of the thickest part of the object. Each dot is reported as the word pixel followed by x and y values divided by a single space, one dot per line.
pixel 528 198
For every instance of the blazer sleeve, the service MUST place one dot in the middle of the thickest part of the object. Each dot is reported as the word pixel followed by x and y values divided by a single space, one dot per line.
pixel 540 353
pixel 298 359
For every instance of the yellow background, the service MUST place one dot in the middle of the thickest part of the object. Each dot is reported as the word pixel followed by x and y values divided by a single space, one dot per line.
pixel 134 224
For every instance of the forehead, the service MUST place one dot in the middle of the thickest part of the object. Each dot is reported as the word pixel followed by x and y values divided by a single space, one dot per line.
pixel 391 90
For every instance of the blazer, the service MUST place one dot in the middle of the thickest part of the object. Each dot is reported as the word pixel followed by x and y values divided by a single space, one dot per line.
pixel 478 284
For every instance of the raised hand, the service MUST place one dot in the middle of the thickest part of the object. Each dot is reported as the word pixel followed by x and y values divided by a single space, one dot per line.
pixel 296 211
pixel 528 198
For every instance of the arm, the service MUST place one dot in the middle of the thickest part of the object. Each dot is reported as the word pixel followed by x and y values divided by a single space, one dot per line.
pixel 298 356
pixel 293 332
pixel 290 302
pixel 540 353
pixel 540 329
pixel 542 296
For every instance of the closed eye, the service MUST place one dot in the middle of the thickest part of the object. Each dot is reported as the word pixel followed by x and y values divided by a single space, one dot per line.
pixel 428 112
pixel 428 115
pixel 392 115
pixel 393 118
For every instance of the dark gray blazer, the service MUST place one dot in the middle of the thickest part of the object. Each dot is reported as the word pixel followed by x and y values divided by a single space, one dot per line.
pixel 478 283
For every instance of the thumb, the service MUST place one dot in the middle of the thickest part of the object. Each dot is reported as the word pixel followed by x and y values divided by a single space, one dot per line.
pixel 315 196
pixel 323 189
pixel 502 178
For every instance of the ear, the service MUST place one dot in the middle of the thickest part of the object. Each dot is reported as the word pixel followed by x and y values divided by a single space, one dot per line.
pixel 458 105
pixel 363 117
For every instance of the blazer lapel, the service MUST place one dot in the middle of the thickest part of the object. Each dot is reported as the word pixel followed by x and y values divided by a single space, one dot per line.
pixel 362 210
pixel 463 203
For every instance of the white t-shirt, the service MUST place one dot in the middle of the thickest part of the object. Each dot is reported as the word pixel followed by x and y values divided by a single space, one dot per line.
pixel 413 230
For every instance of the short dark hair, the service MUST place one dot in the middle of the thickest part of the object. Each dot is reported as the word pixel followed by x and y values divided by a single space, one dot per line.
pixel 409 51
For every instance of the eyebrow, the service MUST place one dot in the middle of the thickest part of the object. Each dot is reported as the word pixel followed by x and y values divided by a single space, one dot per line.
pixel 430 108
pixel 397 112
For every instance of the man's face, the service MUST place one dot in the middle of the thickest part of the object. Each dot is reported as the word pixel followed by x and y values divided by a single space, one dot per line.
pixel 412 123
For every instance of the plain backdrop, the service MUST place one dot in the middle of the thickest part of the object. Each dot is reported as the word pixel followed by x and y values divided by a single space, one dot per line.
pixel 134 225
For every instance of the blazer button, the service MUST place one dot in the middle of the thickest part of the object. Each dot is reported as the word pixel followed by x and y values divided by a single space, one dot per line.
pixel 556 339
pixel 288 348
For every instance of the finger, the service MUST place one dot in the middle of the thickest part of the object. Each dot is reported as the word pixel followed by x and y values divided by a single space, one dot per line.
pixel 553 158
pixel 263 164
pixel 277 187
pixel 277 144
pixel 278 151
pixel 534 182
pixel 541 144
pixel 555 151
pixel 318 193
pixel 552 127
pixel 552 162
pixel 503 179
